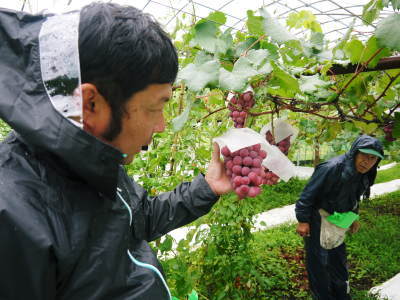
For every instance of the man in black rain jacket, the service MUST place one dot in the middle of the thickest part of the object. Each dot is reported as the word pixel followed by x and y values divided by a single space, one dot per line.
pixel 335 186
pixel 73 225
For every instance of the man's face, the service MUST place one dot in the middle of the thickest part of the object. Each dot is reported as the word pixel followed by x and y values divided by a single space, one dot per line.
pixel 144 117
pixel 364 162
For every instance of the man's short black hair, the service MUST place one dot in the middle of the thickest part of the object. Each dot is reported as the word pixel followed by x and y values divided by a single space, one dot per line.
pixel 123 50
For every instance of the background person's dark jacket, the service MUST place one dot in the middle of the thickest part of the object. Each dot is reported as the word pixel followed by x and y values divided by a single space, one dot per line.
pixel 335 185
pixel 63 232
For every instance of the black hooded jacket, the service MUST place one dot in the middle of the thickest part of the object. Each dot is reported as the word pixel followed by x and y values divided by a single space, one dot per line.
pixel 64 232
pixel 335 185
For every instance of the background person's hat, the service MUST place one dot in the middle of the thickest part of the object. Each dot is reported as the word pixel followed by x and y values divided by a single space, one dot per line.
pixel 371 151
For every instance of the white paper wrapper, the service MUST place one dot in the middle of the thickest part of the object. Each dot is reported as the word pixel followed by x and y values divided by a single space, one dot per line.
pixel 282 129
pixel 238 138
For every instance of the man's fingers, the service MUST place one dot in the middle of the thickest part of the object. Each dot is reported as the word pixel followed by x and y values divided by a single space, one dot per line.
pixel 215 154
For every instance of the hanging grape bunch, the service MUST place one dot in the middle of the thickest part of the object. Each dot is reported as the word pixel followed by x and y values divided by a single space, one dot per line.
pixel 388 129
pixel 239 107
pixel 245 169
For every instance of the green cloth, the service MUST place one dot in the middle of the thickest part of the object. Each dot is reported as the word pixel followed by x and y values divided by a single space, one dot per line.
pixel 343 220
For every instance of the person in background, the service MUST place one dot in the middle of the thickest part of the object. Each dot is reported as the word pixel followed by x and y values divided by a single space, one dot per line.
pixel 85 92
pixel 328 208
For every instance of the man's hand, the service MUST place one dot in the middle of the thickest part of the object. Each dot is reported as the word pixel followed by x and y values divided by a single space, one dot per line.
pixel 303 229
pixel 355 227
pixel 215 176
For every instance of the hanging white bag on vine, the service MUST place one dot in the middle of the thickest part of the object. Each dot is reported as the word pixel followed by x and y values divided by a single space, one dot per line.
pixel 246 153
pixel 280 133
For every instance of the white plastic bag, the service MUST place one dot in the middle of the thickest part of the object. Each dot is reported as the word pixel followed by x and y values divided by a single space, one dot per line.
pixel 331 236
pixel 238 138
pixel 282 129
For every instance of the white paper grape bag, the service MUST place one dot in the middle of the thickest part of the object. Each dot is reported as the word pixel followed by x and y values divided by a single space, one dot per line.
pixel 282 129
pixel 238 138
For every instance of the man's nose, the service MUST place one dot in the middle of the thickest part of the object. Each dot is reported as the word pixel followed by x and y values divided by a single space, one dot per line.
pixel 160 127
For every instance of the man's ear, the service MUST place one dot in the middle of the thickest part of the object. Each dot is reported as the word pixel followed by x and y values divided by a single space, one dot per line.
pixel 96 110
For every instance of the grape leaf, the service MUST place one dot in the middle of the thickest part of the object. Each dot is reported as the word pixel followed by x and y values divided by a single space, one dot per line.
pixel 371 11
pixel 254 23
pixel 217 17
pixel 285 84
pixel 310 84
pixel 354 50
pixel 387 32
pixel 243 46
pixel 274 29
pixel 206 37
pixel 179 121
pixel 197 77
pixel 256 57
pixel 370 49
pixel 366 128
pixel 237 79
pixel 216 97
pixel 304 19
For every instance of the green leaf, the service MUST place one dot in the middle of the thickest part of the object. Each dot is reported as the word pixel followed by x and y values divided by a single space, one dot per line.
pixel 197 77
pixel 274 29
pixel 216 97
pixel 254 24
pixel 167 244
pixel 206 37
pixel 231 81
pixel 310 84
pixel 243 46
pixel 315 45
pixel 387 32
pixel 366 128
pixel 244 67
pixel 237 79
pixel 283 83
pixel 370 49
pixel 257 57
pixel 218 17
pixel 179 121
pixel 371 11
pixel 201 58
pixel 304 19
pixel 354 50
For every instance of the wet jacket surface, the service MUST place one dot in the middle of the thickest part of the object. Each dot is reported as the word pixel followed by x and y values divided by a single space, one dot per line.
pixel 335 185
pixel 64 231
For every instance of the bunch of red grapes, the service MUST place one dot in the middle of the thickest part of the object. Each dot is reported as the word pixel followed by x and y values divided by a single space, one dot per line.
pixel 388 128
pixel 245 169
pixel 284 146
pixel 239 106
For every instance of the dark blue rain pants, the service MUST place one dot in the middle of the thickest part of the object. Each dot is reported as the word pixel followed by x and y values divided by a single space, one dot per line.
pixel 327 269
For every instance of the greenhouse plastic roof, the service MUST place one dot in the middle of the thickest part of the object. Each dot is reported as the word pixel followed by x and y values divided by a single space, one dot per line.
pixel 335 16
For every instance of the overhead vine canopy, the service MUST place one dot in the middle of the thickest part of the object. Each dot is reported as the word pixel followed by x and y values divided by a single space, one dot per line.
pixel 290 52
pixel 334 16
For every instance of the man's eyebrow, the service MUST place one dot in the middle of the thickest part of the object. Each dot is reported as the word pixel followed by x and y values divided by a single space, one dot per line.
pixel 165 99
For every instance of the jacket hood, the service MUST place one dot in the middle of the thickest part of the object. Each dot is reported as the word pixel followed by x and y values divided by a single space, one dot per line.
pixel 40 94
pixel 365 141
